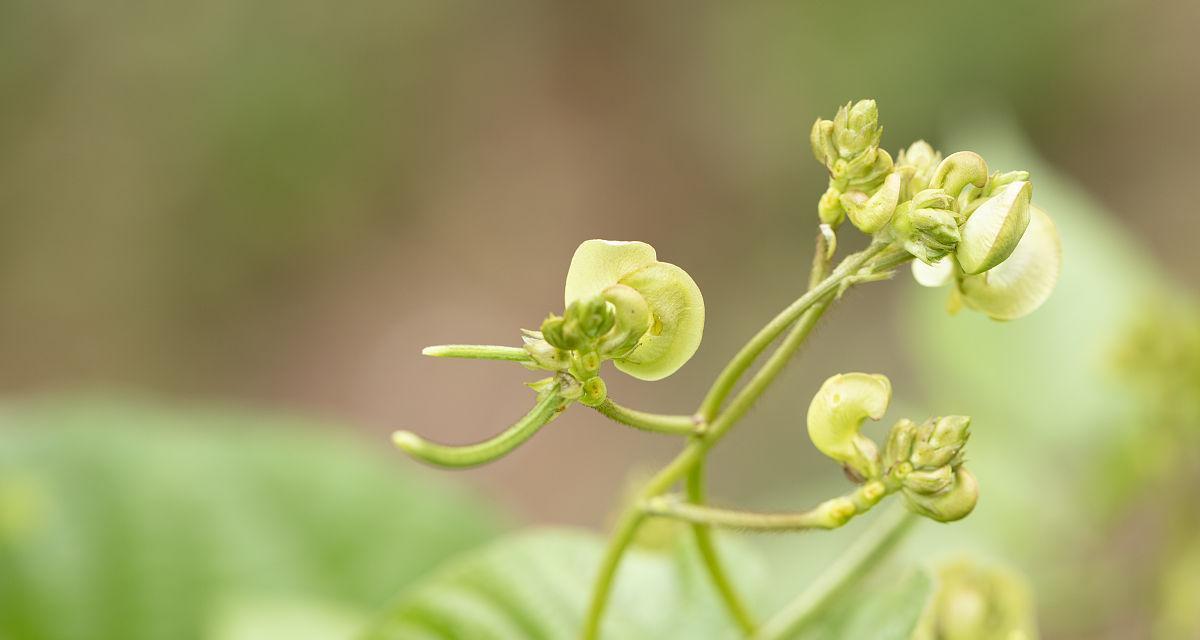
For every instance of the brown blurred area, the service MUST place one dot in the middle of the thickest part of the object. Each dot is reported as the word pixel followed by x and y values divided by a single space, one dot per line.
pixel 279 203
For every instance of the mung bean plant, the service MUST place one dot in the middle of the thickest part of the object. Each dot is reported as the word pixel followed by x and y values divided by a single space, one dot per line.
pixel 958 222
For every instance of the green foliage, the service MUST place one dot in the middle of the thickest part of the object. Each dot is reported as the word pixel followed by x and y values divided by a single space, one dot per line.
pixel 129 521
pixel 536 585
pixel 889 613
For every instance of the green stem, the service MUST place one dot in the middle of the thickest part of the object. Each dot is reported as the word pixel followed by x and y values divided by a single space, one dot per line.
pixel 712 561
pixel 830 514
pixel 804 313
pixel 686 461
pixel 549 405
pixel 729 376
pixel 478 352
pixel 655 422
pixel 851 566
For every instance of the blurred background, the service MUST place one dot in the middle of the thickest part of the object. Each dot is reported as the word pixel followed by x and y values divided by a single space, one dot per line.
pixel 223 214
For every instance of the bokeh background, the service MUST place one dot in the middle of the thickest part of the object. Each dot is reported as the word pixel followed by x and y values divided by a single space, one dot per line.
pixel 216 215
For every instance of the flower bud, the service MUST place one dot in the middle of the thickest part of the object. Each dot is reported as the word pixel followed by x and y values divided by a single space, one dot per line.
pixel 822 142
pixel 992 232
pixel 837 412
pixel 922 159
pixel 546 356
pixel 593 317
pixel 867 171
pixel 1020 284
pixel 958 170
pixel 953 503
pixel 874 213
pixel 928 233
pixel 829 208
pixel 929 482
pixel 899 443
pixel 557 333
pixel 856 128
pixel 940 442
pixel 675 303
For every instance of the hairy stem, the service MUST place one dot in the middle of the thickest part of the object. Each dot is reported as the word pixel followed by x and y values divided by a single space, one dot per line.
pixel 548 406
pixel 830 514
pixel 712 561
pixel 478 352
pixel 851 566
pixel 729 376
pixel 804 313
pixel 655 422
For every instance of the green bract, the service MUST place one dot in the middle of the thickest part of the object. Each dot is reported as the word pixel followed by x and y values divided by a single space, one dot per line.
pixel 672 297
pixel 837 412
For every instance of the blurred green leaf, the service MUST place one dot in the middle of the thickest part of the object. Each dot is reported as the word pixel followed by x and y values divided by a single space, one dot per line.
pixel 890 613
pixel 123 521
pixel 536 585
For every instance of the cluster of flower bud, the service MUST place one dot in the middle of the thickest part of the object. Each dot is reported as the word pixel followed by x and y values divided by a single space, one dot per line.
pixel 848 146
pixel 926 462
pixel 604 327
pixel 964 224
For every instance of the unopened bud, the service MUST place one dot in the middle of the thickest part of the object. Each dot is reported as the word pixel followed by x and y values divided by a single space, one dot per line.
pixel 953 503
pixel 555 331
pixel 821 139
pixel 929 482
pixel 875 212
pixel 829 208
pixel 856 128
pixel 546 355
pixel 927 233
pixel 921 159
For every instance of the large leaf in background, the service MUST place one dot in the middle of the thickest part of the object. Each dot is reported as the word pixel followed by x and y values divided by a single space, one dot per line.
pixel 536 586
pixel 125 521
pixel 889 612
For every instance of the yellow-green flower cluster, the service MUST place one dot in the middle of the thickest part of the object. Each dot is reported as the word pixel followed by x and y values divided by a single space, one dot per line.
pixel 923 462
pixel 964 224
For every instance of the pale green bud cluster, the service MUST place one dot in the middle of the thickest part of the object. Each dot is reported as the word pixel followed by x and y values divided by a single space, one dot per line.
pixel 926 461
pixel 848 146
pixel 976 602
pixel 604 327
pixel 961 222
